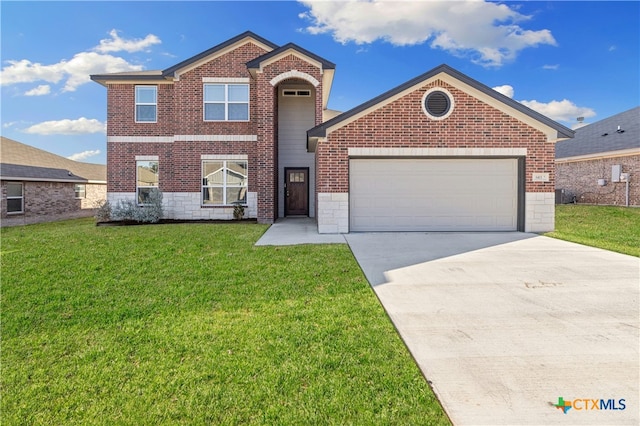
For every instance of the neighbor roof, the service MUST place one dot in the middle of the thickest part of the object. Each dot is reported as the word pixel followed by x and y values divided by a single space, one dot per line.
pixel 321 130
pixel 603 136
pixel 32 162
pixel 40 174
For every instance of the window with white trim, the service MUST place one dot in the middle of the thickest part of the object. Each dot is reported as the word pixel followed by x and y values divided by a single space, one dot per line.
pixel 226 102
pixel 147 173
pixel 146 104
pixel 15 197
pixel 224 182
pixel 80 190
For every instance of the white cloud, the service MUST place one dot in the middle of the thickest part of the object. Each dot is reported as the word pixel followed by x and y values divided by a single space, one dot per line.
pixel 25 71
pixel 83 155
pixel 551 67
pixel 563 110
pixel 117 44
pixel 43 89
pixel 505 90
pixel 67 127
pixel 487 32
pixel 82 65
pixel 75 71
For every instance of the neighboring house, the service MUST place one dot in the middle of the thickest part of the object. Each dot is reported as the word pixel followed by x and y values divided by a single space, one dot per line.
pixel 602 164
pixel 247 122
pixel 38 186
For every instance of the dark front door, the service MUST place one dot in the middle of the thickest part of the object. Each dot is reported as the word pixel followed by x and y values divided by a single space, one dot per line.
pixel 296 187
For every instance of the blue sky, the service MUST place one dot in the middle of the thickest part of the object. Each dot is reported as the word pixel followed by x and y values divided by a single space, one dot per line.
pixel 564 59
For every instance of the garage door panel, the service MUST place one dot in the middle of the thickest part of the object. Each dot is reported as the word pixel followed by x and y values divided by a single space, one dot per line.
pixel 433 195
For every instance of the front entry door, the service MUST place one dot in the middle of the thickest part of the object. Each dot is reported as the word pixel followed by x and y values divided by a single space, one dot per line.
pixel 296 192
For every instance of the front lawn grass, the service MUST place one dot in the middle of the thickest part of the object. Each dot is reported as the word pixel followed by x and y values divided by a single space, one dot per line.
pixel 192 324
pixel 607 227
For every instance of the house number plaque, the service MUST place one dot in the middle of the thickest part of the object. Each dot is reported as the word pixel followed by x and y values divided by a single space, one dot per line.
pixel 540 177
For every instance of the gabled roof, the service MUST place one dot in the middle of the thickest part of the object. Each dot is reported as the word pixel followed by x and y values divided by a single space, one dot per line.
pixel 255 63
pixel 32 162
pixel 168 74
pixel 336 122
pixel 604 137
pixel 200 56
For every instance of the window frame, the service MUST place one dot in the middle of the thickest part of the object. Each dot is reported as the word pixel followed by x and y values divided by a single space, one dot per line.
pixel 139 187
pixel 80 190
pixel 225 186
pixel 226 102
pixel 290 93
pixel 21 198
pixel 137 103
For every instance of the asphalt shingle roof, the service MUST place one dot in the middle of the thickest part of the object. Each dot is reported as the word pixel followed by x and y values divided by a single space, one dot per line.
pixel 603 136
pixel 12 171
pixel 30 162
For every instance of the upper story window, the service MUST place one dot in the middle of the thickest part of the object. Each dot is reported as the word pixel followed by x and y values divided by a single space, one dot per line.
pixel 146 104
pixel 226 102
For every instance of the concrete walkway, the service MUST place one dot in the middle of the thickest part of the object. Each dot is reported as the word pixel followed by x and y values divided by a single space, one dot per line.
pixel 297 230
pixel 504 324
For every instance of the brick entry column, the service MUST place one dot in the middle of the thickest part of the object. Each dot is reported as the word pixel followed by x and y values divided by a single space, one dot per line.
pixel 267 154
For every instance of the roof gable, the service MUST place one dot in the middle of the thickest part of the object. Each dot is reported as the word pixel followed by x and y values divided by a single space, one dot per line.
pixel 461 81
pixel 220 49
pixel 168 75
pixel 619 132
pixel 290 48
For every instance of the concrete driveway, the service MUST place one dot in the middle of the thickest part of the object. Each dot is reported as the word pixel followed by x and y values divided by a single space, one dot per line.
pixel 504 324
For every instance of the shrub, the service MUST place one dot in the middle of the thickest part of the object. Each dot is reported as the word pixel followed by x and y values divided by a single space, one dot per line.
pixel 129 210
pixel 238 212
pixel 103 211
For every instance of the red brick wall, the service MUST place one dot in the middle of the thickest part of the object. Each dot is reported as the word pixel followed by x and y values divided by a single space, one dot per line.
pixel 180 105
pixel 121 164
pixel 121 120
pixel 581 178
pixel 189 105
pixel 180 112
pixel 403 124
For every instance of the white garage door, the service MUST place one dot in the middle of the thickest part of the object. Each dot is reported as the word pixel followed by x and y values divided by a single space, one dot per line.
pixel 433 194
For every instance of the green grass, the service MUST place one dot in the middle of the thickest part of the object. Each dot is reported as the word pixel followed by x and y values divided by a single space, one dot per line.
pixel 192 324
pixel 611 228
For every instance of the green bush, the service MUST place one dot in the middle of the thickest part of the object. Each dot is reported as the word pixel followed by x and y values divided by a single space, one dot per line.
pixel 129 210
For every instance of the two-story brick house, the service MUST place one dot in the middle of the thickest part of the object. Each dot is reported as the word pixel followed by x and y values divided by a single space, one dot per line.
pixel 247 122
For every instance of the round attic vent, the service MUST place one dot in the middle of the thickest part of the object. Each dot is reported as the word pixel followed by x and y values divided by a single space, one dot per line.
pixel 437 103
